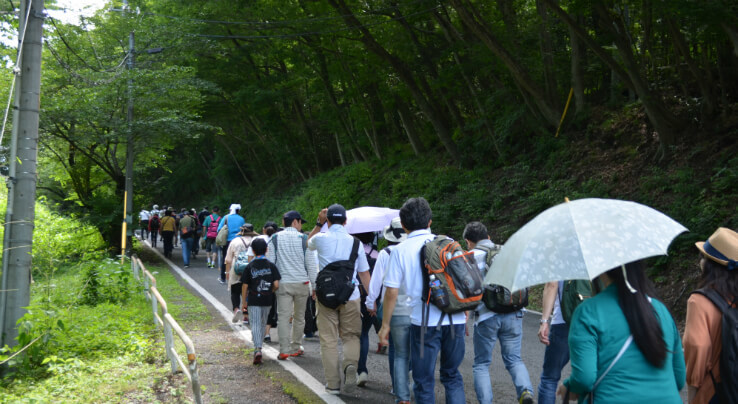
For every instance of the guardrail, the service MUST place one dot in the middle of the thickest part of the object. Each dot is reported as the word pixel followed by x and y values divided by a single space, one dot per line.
pixel 168 322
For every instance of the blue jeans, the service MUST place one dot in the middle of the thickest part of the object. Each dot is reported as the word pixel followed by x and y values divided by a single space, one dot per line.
pixel 555 358
pixel 438 339
pixel 399 356
pixel 508 328
pixel 366 324
pixel 186 249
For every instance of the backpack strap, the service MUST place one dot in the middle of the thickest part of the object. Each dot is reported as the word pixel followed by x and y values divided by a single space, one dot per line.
pixel 276 249
pixel 715 297
pixel 355 251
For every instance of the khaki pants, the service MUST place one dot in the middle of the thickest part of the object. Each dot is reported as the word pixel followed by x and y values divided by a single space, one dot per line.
pixel 291 299
pixel 345 323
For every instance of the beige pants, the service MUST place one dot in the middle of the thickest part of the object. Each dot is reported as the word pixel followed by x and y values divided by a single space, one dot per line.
pixel 345 323
pixel 291 300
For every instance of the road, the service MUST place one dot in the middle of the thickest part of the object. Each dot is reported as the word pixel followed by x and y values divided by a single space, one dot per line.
pixel 378 388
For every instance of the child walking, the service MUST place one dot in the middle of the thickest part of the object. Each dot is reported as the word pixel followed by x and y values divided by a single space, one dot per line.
pixel 260 279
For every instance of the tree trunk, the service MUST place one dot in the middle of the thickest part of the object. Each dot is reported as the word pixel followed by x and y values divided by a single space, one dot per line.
pixel 409 125
pixel 577 73
pixel 403 72
pixel 340 152
pixel 520 75
pixel 235 160
pixel 309 132
pixel 733 36
pixel 547 50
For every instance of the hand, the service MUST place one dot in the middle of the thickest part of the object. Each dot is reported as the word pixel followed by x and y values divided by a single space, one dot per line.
pixel 323 215
pixel 372 312
pixel 383 335
pixel 314 295
pixel 561 392
pixel 245 308
pixel 543 334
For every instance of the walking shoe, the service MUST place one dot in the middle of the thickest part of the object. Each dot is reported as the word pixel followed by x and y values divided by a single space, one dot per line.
pixel 349 376
pixel 220 280
pixel 362 379
pixel 237 315
pixel 381 349
pixel 257 358
pixel 268 339
pixel 526 397
pixel 299 352
pixel 283 356
pixel 335 392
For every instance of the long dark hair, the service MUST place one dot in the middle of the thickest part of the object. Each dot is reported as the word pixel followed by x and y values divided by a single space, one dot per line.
pixel 640 314
pixel 718 277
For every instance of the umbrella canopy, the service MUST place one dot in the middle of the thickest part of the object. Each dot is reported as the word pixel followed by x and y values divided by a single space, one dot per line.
pixel 581 239
pixel 367 219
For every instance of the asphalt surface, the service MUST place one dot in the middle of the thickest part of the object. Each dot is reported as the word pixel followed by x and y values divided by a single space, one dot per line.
pixel 378 388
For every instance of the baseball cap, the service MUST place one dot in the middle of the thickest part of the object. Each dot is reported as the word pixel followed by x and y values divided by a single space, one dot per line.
pixel 336 212
pixel 292 215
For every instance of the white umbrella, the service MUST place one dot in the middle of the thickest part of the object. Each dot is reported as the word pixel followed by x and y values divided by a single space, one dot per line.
pixel 580 240
pixel 367 219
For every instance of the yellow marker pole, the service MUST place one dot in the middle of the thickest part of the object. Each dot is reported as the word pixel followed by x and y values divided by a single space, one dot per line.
pixel 125 226
pixel 566 108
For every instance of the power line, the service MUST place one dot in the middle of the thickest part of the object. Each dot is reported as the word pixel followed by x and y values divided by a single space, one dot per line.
pixel 16 72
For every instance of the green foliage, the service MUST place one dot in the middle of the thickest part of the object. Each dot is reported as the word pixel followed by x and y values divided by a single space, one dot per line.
pixel 105 282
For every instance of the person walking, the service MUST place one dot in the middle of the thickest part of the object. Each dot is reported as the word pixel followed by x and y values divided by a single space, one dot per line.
pixel 168 230
pixel 624 344
pixel 238 245
pixel 269 229
pixel 404 271
pixel 259 281
pixel 554 333
pixel 210 230
pixel 187 226
pixel 344 321
pixel 154 224
pixel 703 344
pixel 490 327
pixel 399 338
pixel 143 223
pixel 234 222
pixel 297 267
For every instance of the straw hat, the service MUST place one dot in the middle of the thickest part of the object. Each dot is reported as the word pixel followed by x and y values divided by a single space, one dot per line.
pixel 394 232
pixel 721 247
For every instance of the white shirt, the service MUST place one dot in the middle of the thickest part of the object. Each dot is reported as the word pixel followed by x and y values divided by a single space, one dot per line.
pixel 377 281
pixel 557 317
pixel 480 256
pixel 405 270
pixel 144 215
pixel 250 252
pixel 336 245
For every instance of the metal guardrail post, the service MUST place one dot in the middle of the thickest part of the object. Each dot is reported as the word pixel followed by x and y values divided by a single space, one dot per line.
pixel 191 370
pixel 134 266
pixel 168 337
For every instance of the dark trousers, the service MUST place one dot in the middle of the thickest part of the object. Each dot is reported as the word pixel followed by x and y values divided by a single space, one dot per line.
pixel 224 251
pixel 196 245
pixel 168 236
pixel 310 324
pixel 272 318
pixel 367 322
pixel 144 229
pixel 236 295
pixel 154 238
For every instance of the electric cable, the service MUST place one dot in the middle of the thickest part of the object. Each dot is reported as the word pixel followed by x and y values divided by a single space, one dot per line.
pixel 16 70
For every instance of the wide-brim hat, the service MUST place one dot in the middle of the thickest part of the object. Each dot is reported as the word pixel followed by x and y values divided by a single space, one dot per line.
pixel 394 232
pixel 721 247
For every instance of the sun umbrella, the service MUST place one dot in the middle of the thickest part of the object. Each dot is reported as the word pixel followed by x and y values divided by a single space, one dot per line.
pixel 580 240
pixel 367 219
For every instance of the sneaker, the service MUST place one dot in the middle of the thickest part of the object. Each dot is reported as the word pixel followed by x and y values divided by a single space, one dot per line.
pixel 283 356
pixel 268 339
pixel 349 376
pixel 186 266
pixel 526 397
pixel 257 358
pixel 299 352
pixel 220 280
pixel 362 379
pixel 237 315
pixel 309 335
pixel 334 392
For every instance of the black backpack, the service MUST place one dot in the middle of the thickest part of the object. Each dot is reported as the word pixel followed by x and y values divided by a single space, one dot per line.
pixel 335 282
pixel 498 298
pixel 727 389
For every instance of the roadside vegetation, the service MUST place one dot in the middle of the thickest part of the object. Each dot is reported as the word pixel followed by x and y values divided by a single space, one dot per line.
pixel 88 335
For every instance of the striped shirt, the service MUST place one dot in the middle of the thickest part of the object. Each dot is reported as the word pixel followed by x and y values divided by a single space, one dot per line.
pixel 296 264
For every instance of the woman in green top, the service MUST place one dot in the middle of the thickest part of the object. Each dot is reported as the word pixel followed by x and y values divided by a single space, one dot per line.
pixel 650 369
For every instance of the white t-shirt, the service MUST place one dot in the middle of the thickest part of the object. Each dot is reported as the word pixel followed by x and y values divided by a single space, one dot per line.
pixel 144 215
pixel 336 245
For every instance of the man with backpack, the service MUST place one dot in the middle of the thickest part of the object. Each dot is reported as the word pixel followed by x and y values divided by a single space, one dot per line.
pixel 499 316
pixel 340 257
pixel 154 224
pixel 188 226
pixel 446 331
pixel 288 251
pixel 210 230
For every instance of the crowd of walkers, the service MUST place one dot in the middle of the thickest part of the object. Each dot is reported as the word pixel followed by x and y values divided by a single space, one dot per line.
pixel 622 343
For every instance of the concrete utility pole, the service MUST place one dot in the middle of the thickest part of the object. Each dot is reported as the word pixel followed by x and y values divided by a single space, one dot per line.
pixel 129 142
pixel 20 214
pixel 129 151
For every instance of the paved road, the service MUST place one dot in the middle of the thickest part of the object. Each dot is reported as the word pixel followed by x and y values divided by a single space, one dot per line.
pixel 379 385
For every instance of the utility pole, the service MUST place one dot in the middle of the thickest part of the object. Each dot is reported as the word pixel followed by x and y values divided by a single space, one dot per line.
pixel 129 142
pixel 21 182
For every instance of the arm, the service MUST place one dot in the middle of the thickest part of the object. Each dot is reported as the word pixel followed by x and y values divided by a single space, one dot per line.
pixel 697 342
pixel 390 298
pixel 680 370
pixel 322 218
pixel 582 352
pixel 365 279
pixel 375 284
pixel 244 292
pixel 549 298
pixel 276 286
